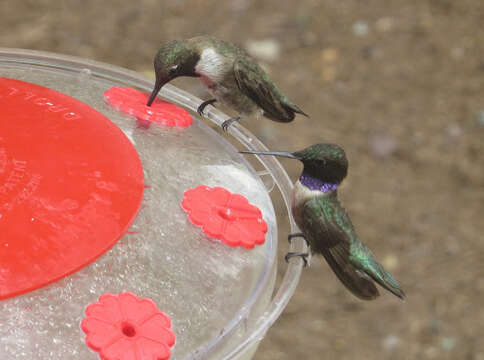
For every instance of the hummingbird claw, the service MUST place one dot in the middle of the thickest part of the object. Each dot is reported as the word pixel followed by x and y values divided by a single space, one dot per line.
pixel 304 256
pixel 227 123
pixel 296 235
pixel 204 104
pixel 225 126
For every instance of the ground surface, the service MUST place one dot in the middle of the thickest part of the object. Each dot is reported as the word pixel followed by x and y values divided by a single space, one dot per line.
pixel 400 85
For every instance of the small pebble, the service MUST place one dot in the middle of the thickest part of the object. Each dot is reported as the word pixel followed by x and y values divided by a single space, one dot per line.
pixel 328 74
pixel 382 145
pixel 240 6
pixel 457 53
pixel 431 352
pixel 390 262
pixel 454 132
pixel 448 343
pixel 309 38
pixel 390 342
pixel 361 28
pixel 384 24
pixel 434 326
pixel 265 50
pixel 480 117
pixel 329 55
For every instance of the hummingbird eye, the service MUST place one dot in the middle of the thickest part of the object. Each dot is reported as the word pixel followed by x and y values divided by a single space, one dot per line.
pixel 173 70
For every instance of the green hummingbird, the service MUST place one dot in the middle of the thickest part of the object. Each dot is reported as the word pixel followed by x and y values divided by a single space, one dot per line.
pixel 327 227
pixel 230 75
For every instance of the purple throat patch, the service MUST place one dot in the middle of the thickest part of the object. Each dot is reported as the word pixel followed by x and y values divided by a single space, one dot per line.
pixel 316 184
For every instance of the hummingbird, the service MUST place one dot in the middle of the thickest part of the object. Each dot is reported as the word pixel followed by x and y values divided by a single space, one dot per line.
pixel 325 224
pixel 229 73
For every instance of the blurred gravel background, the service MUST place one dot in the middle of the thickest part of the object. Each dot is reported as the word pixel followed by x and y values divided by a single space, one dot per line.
pixel 400 85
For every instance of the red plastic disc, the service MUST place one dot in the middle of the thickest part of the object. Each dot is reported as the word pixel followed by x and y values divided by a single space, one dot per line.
pixel 226 216
pixel 70 185
pixel 133 102
pixel 126 327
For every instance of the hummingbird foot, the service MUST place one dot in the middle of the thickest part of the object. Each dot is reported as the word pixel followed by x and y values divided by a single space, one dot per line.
pixel 204 104
pixel 296 235
pixel 304 256
pixel 227 123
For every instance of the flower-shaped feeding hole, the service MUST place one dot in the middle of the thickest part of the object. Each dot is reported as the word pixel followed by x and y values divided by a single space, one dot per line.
pixel 226 216
pixel 128 329
pixel 133 102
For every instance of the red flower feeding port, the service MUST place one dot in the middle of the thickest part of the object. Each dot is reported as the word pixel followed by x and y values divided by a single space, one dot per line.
pixel 133 102
pixel 226 216
pixel 125 327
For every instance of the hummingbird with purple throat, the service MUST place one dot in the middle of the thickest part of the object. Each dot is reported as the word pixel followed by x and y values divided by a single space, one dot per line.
pixel 231 76
pixel 327 227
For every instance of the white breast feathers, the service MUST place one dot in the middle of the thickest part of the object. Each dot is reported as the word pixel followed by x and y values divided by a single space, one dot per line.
pixel 210 65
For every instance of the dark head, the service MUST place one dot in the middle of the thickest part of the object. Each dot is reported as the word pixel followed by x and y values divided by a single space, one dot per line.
pixel 176 58
pixel 326 162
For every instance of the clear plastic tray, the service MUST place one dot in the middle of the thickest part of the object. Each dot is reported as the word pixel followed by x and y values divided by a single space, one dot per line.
pixel 244 325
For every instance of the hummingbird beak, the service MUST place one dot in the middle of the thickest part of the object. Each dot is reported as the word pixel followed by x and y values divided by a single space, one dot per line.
pixel 159 83
pixel 285 154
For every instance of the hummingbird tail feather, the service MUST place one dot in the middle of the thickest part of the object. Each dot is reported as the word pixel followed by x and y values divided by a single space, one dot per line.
pixel 385 279
pixel 297 109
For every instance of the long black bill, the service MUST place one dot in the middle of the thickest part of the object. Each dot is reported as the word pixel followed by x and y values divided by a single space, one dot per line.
pixel 285 154
pixel 158 85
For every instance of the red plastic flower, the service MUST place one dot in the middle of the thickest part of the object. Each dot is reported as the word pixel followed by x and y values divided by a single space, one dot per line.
pixel 133 102
pixel 126 327
pixel 226 216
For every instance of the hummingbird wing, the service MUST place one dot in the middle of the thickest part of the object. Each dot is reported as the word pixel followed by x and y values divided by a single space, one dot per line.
pixel 257 86
pixel 332 234
pixel 329 231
